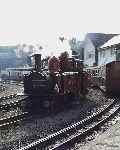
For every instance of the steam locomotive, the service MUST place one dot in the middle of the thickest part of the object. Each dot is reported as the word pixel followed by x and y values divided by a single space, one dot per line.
pixel 64 80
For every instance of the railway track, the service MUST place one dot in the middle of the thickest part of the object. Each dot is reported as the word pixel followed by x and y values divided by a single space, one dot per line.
pixel 66 137
pixel 13 119
pixel 10 101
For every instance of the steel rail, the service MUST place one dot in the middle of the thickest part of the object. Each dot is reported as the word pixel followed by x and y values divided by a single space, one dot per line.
pixel 12 119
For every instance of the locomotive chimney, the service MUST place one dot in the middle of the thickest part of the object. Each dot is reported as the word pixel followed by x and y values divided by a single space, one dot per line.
pixel 37 62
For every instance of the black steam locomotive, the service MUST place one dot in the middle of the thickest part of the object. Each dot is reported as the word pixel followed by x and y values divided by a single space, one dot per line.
pixel 38 82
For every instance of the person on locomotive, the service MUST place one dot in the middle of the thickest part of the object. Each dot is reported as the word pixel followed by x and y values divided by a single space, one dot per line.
pixel 63 59
pixel 53 65
pixel 54 69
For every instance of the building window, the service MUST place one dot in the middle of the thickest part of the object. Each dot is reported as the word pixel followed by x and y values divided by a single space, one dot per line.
pixel 74 53
pixel 100 53
pixel 103 54
pixel 112 51
pixel 118 57
pixel 89 56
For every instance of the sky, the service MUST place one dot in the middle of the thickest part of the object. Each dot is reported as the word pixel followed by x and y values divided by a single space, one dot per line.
pixel 43 21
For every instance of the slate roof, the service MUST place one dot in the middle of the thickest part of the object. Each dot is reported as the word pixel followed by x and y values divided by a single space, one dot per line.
pixel 98 39
pixel 114 41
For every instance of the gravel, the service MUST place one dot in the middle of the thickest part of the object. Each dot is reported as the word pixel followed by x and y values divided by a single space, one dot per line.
pixel 38 127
